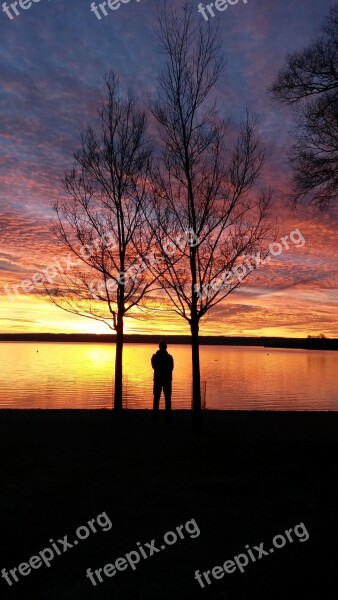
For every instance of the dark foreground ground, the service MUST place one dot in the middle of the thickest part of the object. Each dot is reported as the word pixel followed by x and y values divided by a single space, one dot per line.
pixel 246 478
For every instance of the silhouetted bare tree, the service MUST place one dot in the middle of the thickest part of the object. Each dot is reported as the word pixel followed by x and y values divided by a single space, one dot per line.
pixel 310 81
pixel 102 220
pixel 199 185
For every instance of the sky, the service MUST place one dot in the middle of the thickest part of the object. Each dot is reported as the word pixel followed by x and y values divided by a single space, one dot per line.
pixel 53 56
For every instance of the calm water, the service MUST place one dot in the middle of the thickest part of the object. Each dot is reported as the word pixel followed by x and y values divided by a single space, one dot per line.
pixel 38 375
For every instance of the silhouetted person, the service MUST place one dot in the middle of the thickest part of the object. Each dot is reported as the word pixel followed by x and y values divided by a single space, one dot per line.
pixel 163 365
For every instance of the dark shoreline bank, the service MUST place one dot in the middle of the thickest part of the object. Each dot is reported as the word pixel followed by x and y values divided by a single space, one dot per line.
pixel 236 425
pixel 265 342
pixel 245 478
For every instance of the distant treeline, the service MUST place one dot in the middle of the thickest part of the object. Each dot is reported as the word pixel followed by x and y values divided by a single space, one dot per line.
pixel 268 342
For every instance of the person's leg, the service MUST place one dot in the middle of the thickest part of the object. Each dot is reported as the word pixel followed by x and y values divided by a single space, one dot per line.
pixel 167 397
pixel 157 395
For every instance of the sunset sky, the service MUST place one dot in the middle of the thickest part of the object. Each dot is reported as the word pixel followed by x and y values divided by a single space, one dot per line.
pixel 53 58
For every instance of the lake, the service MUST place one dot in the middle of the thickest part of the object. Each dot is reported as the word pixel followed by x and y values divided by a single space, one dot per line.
pixel 80 375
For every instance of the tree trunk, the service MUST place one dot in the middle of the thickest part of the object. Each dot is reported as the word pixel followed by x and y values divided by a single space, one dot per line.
pixel 196 378
pixel 118 364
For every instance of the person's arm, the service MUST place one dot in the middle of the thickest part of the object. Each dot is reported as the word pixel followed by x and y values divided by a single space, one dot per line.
pixel 153 361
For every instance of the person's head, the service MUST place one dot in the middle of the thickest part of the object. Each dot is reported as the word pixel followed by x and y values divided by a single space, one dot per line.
pixel 162 345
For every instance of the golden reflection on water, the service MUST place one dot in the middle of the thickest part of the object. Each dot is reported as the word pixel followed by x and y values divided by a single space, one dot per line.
pixel 38 375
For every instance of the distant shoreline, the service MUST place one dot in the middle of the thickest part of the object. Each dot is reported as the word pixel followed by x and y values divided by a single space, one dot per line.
pixel 209 340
